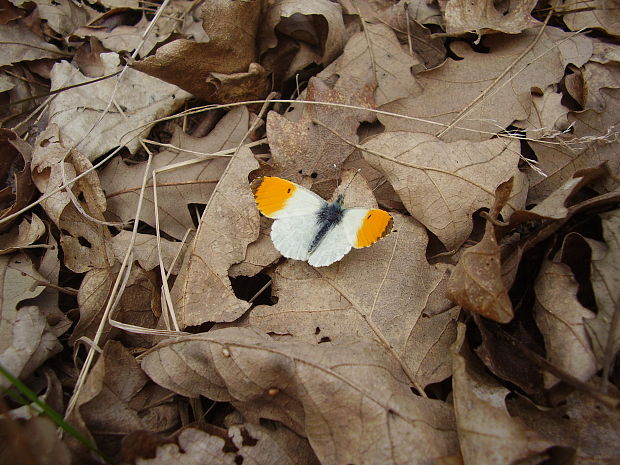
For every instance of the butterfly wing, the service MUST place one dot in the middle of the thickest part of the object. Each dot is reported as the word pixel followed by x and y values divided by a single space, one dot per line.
pixel 294 209
pixel 364 226
pixel 332 247
pixel 280 198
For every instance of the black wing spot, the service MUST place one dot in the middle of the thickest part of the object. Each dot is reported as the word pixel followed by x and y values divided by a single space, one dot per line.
pixel 288 191
pixel 369 215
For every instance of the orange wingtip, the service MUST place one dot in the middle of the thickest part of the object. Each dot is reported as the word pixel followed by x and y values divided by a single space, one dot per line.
pixel 376 224
pixel 271 194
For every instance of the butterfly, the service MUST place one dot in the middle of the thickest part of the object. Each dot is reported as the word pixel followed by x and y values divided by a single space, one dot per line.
pixel 308 228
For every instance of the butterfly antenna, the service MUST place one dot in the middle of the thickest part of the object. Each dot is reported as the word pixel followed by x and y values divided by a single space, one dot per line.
pixel 344 191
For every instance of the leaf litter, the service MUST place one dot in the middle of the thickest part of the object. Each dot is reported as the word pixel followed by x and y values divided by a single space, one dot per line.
pixel 143 300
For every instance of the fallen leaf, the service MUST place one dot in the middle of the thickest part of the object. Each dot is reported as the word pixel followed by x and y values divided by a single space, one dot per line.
pixel 305 148
pixel 487 432
pixel 368 291
pixel 375 55
pixel 145 251
pixel 20 44
pixel 259 253
pixel 318 23
pixel 231 50
pixel 476 283
pixel 27 233
pixel 561 320
pixel 478 107
pixel 599 76
pixel 591 143
pixel 497 352
pixel 604 329
pixel 177 188
pixel 202 291
pixel 15 156
pixel 25 337
pixel 76 111
pixel 62 17
pixel 598 14
pixel 252 443
pixel 548 115
pixel 34 441
pixel 482 17
pixel 118 398
pixel 350 401
pixel 442 184
pixel 588 429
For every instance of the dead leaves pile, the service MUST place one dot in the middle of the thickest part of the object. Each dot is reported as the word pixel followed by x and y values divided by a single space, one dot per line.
pixel 143 300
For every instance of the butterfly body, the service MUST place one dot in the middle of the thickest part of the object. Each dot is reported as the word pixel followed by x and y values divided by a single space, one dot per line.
pixel 308 228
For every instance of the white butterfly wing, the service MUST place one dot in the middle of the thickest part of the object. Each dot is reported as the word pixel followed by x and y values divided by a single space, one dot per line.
pixel 332 247
pixel 292 235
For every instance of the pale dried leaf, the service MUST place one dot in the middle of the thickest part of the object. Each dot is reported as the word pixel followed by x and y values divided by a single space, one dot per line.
pixel 63 17
pixel 482 17
pixel 350 401
pixel 305 148
pixel 118 398
pixel 318 23
pixel 202 291
pixel 599 76
pixel 506 101
pixel 27 233
pixel 548 114
pixel 374 54
pixel 488 435
pixel 589 430
pixel 600 14
pixel 476 283
pixel 145 250
pixel 20 44
pixel 142 100
pixel 593 141
pixel 604 330
pixel 259 254
pixel 255 445
pixel 560 318
pixel 442 184
pixel 40 438
pixel 368 284
pixel 177 188
pixel 86 244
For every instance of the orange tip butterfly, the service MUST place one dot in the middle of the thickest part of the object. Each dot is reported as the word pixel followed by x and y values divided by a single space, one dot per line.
pixel 308 228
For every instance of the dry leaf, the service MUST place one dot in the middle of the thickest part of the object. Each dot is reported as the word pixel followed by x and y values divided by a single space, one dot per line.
pixel 560 318
pixel 600 14
pixel 482 17
pixel 375 55
pixel 62 17
pixel 202 291
pixel 250 443
pixel 259 253
pixel 350 401
pixel 231 51
pixel 178 188
pixel 368 290
pixel 15 156
pixel 20 44
pixel 140 99
pixel 478 104
pixel 487 432
pixel 476 283
pixel 305 148
pixel 26 340
pixel 591 143
pixel 27 233
pixel 34 441
pixel 118 399
pixel 442 184
pixel 318 23
pixel 548 115
pixel 589 430
pixel 604 330
pixel 145 251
